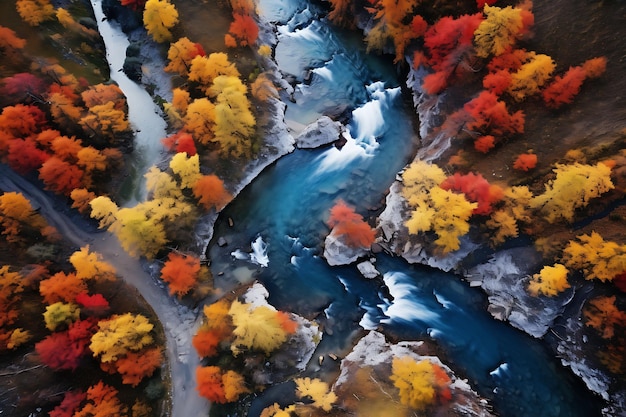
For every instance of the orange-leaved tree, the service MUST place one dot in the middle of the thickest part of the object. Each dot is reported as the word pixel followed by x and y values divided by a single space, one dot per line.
pixel 199 120
pixel 216 328
pixel 35 12
pixel 525 161
pixel 11 288
pixel 210 192
pixel 60 176
pixel 243 31
pixel 62 287
pixel 204 69
pixel 181 53
pixel 219 386
pixel 602 314
pixel 101 400
pixel 135 366
pixel 350 225
pixel 18 219
pixel 488 115
pixel 180 271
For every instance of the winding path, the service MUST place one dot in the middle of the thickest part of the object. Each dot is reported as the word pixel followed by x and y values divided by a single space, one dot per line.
pixel 179 322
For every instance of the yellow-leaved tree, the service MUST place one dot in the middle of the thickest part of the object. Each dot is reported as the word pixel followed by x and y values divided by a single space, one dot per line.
pixel 418 179
pixel 317 390
pixel 574 186
pixel 105 210
pixel 204 69
pixel 160 184
pixel 35 12
pixel 187 169
pixel 58 314
pixel 435 209
pixel 550 281
pixel 180 54
pixel 17 217
pixel 596 257
pixel 119 335
pixel 159 16
pixel 531 76
pixel 234 122
pixel 498 31
pixel 139 231
pixel 420 383
pixel 105 119
pixel 257 328
pixel 89 265
pixel 514 208
pixel 199 120
pixel 451 220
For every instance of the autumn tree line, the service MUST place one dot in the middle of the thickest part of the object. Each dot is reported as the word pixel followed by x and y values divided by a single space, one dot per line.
pixel 67 316
pixel 73 136
pixel 480 45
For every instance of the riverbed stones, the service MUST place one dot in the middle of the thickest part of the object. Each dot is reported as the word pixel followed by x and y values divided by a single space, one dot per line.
pixel 323 131
pixel 368 270
pixel 336 252
pixel 371 360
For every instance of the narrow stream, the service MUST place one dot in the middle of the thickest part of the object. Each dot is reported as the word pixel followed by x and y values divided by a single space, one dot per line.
pixel 279 223
pixel 143 113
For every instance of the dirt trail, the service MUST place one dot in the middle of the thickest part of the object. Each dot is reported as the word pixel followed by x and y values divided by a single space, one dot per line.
pixel 179 322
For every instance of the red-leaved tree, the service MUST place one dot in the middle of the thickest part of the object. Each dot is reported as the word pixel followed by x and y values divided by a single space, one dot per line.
pixel 565 87
pixel 180 142
pixel 525 161
pixel 476 189
pixel 447 44
pixel 69 404
pixel 350 226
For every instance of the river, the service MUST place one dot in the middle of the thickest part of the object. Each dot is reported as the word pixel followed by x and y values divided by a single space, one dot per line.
pixel 284 210
pixel 279 230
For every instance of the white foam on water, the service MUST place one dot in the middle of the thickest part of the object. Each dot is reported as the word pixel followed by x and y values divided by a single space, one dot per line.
pixel 257 256
pixel 405 306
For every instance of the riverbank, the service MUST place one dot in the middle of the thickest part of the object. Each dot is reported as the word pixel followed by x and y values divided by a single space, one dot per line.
pixel 504 305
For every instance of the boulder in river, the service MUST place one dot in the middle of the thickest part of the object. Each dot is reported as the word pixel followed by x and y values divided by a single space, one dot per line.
pixel 322 132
